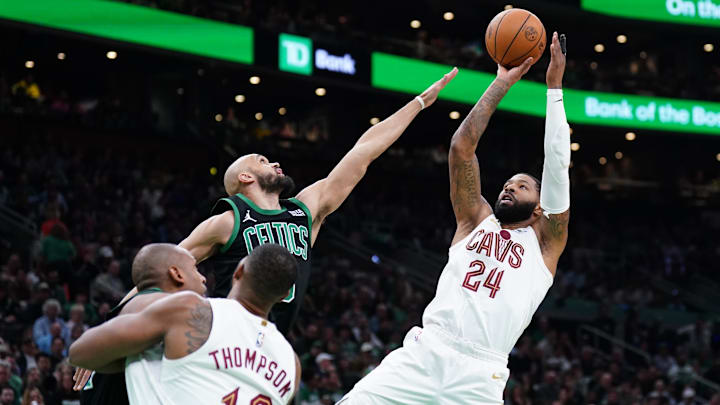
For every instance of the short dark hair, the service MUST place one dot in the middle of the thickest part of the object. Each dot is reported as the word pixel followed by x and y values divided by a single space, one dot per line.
pixel 42 354
pixel 151 262
pixel 271 270
pixel 537 181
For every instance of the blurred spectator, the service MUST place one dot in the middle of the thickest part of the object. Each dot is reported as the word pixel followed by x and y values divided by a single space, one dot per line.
pixel 7 379
pixel 77 317
pixel 108 286
pixel 65 394
pixel 33 396
pixel 7 395
pixel 57 248
pixel 52 218
pixel 44 325
pixel 57 351
pixel 45 343
pixel 26 359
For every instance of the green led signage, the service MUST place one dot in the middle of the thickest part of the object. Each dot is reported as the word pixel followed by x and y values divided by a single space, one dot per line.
pixel 295 54
pixel 136 24
pixel 694 12
pixel 582 107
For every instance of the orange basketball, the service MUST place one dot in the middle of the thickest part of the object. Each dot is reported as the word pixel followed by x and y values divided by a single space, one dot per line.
pixel 513 36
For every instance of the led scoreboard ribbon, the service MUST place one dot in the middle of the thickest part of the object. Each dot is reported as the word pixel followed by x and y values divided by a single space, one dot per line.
pixel 407 75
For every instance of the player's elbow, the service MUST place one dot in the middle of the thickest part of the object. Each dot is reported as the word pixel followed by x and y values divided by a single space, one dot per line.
pixel 79 356
pixel 460 145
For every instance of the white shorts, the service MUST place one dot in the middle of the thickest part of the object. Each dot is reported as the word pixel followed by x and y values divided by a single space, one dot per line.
pixel 433 367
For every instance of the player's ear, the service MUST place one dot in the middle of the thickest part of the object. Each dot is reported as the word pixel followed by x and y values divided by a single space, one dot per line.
pixel 538 211
pixel 240 270
pixel 176 275
pixel 245 178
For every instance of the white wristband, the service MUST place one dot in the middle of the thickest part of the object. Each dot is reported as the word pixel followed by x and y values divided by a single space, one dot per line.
pixel 420 100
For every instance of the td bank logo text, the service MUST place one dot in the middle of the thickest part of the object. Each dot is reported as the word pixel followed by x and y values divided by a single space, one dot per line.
pixel 295 54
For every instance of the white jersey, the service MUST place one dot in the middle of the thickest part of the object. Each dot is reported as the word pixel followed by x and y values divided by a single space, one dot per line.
pixel 493 283
pixel 142 377
pixel 245 360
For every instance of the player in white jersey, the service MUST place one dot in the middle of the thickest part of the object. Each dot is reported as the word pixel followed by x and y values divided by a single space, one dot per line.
pixel 500 266
pixel 158 270
pixel 218 350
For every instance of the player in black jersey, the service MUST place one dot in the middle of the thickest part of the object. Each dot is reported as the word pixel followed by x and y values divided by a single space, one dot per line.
pixel 254 214
pixel 158 270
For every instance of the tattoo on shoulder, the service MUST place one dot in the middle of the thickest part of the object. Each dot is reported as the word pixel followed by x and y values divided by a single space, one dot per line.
pixel 200 324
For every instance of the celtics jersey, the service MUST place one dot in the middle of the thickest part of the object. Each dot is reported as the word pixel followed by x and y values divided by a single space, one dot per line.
pixel 110 389
pixel 290 226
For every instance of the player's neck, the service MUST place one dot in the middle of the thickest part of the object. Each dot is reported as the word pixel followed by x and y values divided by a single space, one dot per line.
pixel 516 225
pixel 262 199
pixel 246 299
pixel 253 308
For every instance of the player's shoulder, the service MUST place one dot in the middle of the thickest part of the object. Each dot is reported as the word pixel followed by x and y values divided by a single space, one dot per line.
pixel 188 298
pixel 222 223
pixel 182 302
pixel 141 301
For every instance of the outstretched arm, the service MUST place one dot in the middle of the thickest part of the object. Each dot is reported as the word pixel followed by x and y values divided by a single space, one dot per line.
pixel 326 195
pixel 210 236
pixel 205 240
pixel 130 334
pixel 555 191
pixel 468 204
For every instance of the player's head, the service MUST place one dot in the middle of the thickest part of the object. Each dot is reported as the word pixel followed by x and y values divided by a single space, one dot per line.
pixel 266 275
pixel 257 169
pixel 519 200
pixel 168 267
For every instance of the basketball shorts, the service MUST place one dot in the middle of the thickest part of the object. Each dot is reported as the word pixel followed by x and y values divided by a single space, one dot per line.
pixel 433 367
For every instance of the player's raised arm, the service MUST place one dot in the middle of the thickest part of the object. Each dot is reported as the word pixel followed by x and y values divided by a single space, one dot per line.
pixel 131 334
pixel 469 205
pixel 209 236
pixel 326 195
pixel 204 241
pixel 555 190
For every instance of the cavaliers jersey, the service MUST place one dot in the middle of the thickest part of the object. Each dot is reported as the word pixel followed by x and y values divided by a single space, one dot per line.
pixel 245 360
pixel 142 375
pixel 290 226
pixel 493 283
pixel 109 389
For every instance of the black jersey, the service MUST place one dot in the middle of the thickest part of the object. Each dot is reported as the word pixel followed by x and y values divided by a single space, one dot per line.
pixel 109 389
pixel 290 226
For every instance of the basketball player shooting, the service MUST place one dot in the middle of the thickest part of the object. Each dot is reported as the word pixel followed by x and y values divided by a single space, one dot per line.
pixel 501 264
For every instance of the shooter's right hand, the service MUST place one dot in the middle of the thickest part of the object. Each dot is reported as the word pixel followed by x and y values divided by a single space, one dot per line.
pixel 513 75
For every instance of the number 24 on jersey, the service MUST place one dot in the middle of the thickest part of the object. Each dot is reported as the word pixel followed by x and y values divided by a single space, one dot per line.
pixel 492 282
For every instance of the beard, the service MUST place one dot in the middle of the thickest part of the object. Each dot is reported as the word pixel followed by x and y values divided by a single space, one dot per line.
pixel 276 184
pixel 514 213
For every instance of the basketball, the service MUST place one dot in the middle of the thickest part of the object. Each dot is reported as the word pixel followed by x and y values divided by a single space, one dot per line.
pixel 513 36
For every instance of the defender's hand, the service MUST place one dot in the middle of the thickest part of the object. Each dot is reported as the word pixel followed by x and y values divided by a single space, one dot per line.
pixel 513 75
pixel 430 94
pixel 81 378
pixel 556 68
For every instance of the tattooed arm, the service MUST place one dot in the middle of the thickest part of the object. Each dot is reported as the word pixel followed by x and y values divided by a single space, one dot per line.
pixel 555 192
pixel 468 204
pixel 183 319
